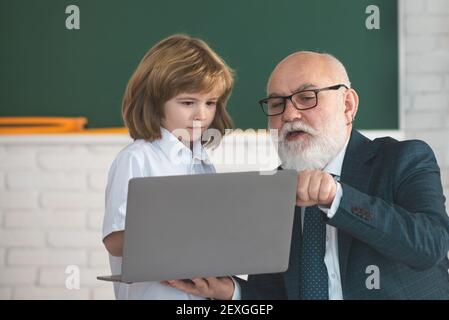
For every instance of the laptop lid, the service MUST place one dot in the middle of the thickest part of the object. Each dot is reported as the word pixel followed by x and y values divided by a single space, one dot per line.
pixel 180 227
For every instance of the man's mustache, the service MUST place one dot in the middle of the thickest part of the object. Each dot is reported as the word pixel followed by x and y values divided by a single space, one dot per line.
pixel 296 126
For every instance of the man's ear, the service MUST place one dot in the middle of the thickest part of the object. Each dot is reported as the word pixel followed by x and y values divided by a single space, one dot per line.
pixel 351 105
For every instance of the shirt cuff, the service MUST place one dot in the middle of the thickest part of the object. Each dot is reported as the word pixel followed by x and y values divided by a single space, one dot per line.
pixel 237 291
pixel 330 212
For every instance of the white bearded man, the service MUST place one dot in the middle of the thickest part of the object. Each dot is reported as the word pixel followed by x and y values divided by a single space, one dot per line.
pixel 359 203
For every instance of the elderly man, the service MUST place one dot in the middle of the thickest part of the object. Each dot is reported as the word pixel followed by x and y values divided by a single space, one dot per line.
pixel 370 221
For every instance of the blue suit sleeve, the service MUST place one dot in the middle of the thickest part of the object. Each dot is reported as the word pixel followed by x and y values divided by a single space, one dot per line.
pixel 414 227
pixel 262 287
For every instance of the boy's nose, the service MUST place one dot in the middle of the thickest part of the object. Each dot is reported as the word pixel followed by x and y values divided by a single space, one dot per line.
pixel 200 114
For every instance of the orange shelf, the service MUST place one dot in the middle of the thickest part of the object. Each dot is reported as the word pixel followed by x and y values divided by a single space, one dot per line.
pixel 52 125
pixel 119 130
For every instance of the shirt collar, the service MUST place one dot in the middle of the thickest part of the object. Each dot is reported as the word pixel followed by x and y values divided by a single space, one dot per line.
pixel 334 167
pixel 172 147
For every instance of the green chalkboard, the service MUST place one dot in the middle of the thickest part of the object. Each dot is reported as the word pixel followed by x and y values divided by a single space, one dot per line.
pixel 48 70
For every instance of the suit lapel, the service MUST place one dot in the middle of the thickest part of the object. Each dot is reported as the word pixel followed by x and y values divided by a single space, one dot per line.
pixel 356 172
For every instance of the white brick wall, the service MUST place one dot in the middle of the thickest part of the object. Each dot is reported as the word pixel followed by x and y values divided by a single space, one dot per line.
pixel 44 219
pixel 17 276
pixel 47 256
pixel 52 188
pixel 51 209
pixel 37 292
pixel 425 33
pixel 2 257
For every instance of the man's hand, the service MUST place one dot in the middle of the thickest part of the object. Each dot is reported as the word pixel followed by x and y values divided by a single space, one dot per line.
pixel 315 187
pixel 221 288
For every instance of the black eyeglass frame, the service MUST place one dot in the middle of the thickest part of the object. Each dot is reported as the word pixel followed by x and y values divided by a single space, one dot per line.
pixel 316 91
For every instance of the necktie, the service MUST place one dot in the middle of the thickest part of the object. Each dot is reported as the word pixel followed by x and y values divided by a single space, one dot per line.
pixel 313 273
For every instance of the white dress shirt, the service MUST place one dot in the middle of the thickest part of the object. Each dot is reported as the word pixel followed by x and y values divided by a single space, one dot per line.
pixel 331 254
pixel 163 157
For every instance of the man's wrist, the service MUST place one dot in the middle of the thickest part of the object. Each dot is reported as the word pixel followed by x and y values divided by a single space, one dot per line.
pixel 231 295
pixel 330 212
pixel 236 294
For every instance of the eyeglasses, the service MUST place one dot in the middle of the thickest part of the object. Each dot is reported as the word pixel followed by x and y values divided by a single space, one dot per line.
pixel 301 100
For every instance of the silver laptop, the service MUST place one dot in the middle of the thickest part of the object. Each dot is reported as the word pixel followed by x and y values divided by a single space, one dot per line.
pixel 181 227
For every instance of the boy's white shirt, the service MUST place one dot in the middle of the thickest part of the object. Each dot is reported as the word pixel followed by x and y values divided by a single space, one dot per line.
pixel 164 157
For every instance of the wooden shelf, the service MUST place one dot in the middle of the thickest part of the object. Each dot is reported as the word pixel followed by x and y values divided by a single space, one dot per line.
pixel 52 125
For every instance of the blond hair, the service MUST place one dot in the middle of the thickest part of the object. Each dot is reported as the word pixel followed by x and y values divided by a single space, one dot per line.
pixel 175 65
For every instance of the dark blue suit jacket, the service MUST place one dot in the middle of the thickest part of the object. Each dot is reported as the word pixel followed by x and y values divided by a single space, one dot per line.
pixel 392 215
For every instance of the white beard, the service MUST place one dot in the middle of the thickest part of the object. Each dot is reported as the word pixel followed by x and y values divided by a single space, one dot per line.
pixel 316 152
